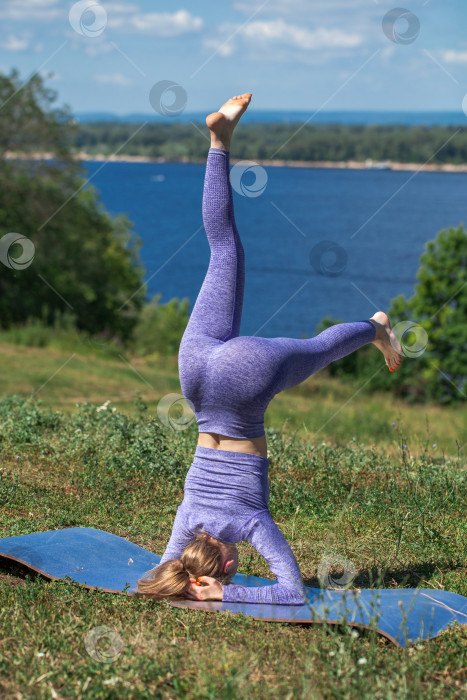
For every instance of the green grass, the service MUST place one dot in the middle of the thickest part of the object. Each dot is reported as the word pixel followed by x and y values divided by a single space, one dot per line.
pixel 398 515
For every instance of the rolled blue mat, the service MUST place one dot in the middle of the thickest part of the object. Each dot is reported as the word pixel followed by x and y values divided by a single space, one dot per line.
pixel 99 559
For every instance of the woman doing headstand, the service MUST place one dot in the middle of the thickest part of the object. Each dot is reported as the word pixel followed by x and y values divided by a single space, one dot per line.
pixel 230 380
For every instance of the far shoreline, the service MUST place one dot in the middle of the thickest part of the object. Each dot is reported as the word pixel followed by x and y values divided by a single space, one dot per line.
pixel 368 164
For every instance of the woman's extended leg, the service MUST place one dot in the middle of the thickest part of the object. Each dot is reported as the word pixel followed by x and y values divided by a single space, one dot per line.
pixel 300 358
pixel 216 314
pixel 303 357
pixel 218 308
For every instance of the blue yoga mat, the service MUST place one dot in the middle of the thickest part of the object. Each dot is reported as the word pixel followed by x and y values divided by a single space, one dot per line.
pixel 98 559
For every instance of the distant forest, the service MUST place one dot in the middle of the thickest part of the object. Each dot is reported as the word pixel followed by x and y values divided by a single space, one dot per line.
pixel 332 142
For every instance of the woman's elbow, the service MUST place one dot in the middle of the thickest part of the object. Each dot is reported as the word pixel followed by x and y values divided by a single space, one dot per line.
pixel 301 601
pixel 297 598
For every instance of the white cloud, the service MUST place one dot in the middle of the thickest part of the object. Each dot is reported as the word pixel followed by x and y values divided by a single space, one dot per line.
pixel 300 37
pixel 333 26
pixel 311 10
pixel 454 56
pixel 222 48
pixel 158 24
pixel 277 34
pixel 95 48
pixel 91 47
pixel 14 43
pixel 113 79
pixel 24 10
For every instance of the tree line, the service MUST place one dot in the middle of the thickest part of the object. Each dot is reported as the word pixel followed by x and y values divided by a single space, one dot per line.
pixel 312 142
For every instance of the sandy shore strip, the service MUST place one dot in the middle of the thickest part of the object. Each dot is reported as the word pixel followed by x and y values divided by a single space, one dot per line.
pixel 343 164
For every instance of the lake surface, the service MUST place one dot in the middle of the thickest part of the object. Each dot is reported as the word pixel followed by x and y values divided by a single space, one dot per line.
pixel 374 225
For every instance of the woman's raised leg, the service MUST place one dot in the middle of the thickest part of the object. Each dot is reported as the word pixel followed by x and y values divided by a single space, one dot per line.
pixel 300 358
pixel 218 308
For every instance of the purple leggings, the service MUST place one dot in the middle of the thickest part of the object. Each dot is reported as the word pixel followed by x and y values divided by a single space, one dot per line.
pixel 231 379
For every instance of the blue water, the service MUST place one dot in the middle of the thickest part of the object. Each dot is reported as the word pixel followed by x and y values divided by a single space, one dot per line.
pixel 284 294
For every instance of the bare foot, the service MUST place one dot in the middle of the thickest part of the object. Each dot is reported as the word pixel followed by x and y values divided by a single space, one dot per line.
pixel 386 341
pixel 222 123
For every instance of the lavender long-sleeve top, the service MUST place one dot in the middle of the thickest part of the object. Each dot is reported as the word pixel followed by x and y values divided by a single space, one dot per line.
pixel 226 495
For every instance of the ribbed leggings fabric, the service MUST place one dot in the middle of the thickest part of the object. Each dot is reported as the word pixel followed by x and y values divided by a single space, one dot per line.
pixel 228 378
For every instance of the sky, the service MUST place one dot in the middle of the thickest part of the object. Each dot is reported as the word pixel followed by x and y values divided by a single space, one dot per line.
pixel 123 56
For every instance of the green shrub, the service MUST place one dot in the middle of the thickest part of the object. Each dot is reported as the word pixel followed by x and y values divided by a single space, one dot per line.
pixel 160 327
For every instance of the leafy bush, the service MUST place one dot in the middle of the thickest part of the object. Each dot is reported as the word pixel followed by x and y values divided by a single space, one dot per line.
pixel 160 327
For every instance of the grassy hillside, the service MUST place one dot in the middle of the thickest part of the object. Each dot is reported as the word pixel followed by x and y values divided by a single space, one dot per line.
pixel 393 520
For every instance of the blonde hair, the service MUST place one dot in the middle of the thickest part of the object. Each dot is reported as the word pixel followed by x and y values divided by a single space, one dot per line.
pixel 202 557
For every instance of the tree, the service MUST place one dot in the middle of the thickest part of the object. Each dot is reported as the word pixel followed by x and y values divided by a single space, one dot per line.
pixel 431 326
pixel 29 123
pixel 81 259
pixel 439 306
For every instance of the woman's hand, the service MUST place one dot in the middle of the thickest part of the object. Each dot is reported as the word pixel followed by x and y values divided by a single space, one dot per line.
pixel 210 589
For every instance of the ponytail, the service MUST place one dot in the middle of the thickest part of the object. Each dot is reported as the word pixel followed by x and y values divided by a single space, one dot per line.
pixel 169 580
pixel 202 557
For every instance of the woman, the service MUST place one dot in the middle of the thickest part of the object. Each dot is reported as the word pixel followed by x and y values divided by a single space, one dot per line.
pixel 230 380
